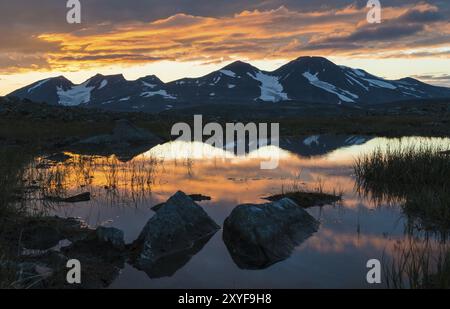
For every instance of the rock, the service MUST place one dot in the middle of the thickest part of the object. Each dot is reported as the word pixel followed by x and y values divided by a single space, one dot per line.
pixel 41 237
pixel 31 275
pixel 199 197
pixel 101 263
pixel 194 197
pixel 157 207
pixel 98 140
pixel 58 157
pixel 179 225
pixel 307 199
pixel 259 235
pixel 168 265
pixel 126 142
pixel 125 131
pixel 83 197
pixel 111 235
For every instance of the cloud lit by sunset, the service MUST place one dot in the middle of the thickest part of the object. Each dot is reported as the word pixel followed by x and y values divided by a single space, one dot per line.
pixel 194 40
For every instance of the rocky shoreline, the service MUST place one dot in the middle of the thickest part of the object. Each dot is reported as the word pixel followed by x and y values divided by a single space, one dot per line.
pixel 42 246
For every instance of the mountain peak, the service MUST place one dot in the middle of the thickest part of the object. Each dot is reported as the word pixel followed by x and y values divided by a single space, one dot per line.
pixel 312 60
pixel 240 66
pixel 102 80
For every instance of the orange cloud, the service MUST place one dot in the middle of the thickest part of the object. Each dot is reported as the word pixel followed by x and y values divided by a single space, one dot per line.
pixel 249 35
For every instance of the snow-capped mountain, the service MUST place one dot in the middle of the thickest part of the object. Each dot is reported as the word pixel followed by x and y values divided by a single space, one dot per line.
pixel 306 79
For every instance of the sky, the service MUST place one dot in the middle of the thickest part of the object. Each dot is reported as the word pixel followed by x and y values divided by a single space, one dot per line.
pixel 190 38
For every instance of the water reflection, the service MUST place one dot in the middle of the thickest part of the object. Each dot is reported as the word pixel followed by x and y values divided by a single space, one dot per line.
pixel 123 193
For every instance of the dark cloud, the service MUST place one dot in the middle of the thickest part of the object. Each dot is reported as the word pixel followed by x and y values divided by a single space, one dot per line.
pixel 383 33
pixel 124 57
pixel 416 16
pixel 407 25
pixel 437 79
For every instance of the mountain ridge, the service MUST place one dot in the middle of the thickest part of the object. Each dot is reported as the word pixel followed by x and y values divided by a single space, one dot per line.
pixel 307 79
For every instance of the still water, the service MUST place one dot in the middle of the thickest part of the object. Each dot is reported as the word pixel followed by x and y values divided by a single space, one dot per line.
pixel 351 233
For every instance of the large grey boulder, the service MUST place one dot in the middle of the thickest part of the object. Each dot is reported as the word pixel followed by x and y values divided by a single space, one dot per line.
pixel 126 142
pixel 259 235
pixel 124 133
pixel 176 232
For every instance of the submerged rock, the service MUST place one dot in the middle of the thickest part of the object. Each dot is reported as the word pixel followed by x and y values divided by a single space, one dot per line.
pixel 58 157
pixel 259 235
pixel 41 237
pixel 111 235
pixel 307 199
pixel 101 263
pixel 178 227
pixel 46 232
pixel 199 197
pixel 83 197
pixel 102 252
pixel 29 275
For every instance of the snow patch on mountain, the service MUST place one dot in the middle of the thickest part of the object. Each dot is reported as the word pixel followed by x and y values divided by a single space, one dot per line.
pixel 228 73
pixel 380 83
pixel 162 93
pixel 314 139
pixel 103 84
pixel 148 85
pixel 357 82
pixel 315 81
pixel 74 96
pixel 355 140
pixel 39 84
pixel 359 73
pixel 271 89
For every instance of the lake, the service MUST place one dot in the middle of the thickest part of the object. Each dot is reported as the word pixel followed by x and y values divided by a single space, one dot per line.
pixel 351 232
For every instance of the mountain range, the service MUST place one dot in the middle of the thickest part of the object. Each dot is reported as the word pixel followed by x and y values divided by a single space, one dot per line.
pixel 306 79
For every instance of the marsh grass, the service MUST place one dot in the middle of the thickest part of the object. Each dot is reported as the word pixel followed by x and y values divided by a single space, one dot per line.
pixel 12 206
pixel 12 186
pixel 108 177
pixel 417 264
pixel 428 210
pixel 400 170
pixel 417 177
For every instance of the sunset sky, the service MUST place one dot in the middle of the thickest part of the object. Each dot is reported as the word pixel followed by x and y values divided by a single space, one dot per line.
pixel 180 38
